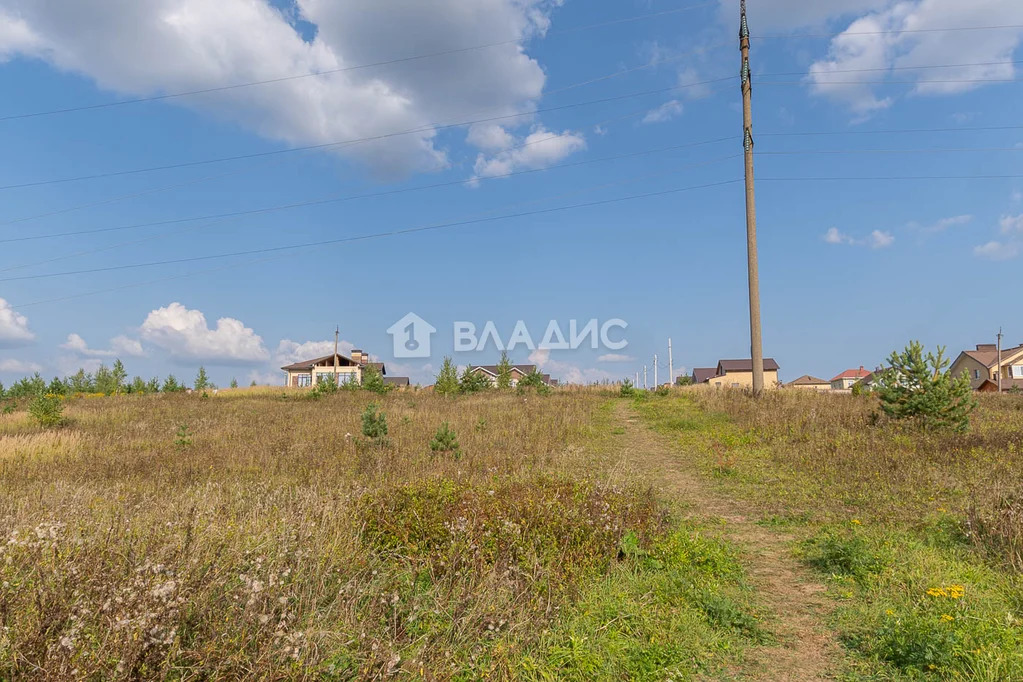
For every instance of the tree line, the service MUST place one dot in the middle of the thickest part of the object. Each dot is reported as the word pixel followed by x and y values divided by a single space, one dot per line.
pixel 105 380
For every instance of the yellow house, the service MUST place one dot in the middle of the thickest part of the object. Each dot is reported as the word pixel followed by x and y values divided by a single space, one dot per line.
pixel 739 374
pixel 982 365
pixel 809 383
pixel 347 369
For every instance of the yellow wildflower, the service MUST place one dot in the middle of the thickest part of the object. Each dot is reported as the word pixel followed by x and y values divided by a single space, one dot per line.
pixel 945 618
pixel 856 521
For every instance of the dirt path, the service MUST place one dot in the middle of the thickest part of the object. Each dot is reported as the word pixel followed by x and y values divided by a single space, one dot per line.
pixel 806 650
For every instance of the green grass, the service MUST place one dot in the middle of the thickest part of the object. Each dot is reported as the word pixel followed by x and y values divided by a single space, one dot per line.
pixel 881 514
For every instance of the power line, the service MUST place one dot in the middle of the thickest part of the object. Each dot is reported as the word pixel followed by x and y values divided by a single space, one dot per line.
pixel 952 29
pixel 345 69
pixel 895 177
pixel 894 68
pixel 888 151
pixel 390 233
pixel 917 82
pixel 892 131
pixel 371 138
pixel 337 199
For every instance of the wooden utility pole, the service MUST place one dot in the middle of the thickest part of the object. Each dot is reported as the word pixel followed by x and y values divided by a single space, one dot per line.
pixel 756 340
pixel 999 361
pixel 655 371
pixel 337 331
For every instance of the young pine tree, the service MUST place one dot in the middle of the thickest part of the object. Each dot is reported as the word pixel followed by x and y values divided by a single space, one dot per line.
pixel 171 385
pixel 445 442
pixel 447 378
pixel 374 426
pixel 504 371
pixel 202 380
pixel 234 383
pixel 118 377
pixel 921 388
pixel 373 380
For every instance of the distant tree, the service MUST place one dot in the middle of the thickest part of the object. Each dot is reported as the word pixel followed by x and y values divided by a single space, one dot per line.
pixel 28 387
pixel 253 383
pixel 171 385
pixel 472 382
pixel 57 387
pixel 153 386
pixel 684 380
pixel 202 381
pixel 81 382
pixel 919 387
pixel 2 392
pixel 504 371
pixel 138 385
pixel 104 381
pixel 627 390
pixel 234 383
pixel 373 380
pixel 447 378
pixel 47 410
pixel 118 376
pixel 534 379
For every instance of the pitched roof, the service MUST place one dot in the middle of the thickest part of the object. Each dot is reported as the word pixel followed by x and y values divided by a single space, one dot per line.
pixel 807 380
pixel 989 358
pixel 852 374
pixel 494 369
pixel 1007 384
pixel 746 365
pixel 396 381
pixel 702 374
pixel 309 364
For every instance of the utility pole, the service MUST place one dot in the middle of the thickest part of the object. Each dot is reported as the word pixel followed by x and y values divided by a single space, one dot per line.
pixel 756 340
pixel 337 332
pixel 655 371
pixel 671 368
pixel 637 379
pixel 644 377
pixel 999 361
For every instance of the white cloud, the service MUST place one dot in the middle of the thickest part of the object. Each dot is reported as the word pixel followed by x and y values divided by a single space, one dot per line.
pixel 616 357
pixel 854 50
pixel 793 14
pixel 289 352
pixel 995 250
pixel 946 223
pixel 490 137
pixel 541 148
pixel 14 329
pixel 19 366
pixel 267 378
pixel 877 239
pixel 665 112
pixel 836 236
pixel 881 240
pixel 1011 224
pixel 185 335
pixel 567 373
pixel 143 48
pixel 119 346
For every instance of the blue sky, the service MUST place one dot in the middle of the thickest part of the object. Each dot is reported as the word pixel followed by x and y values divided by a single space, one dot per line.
pixel 849 269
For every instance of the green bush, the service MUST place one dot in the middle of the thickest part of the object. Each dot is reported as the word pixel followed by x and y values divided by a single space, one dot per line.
pixel 919 387
pixel 445 442
pixel 627 390
pixel 47 410
pixel 374 425
pixel 843 554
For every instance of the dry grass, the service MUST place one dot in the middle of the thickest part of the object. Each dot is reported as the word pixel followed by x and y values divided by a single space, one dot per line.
pixel 257 534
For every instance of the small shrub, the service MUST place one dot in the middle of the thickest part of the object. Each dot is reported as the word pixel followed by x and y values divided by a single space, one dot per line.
pixel 843 554
pixel 663 391
pixel 627 390
pixel 183 437
pixel 9 408
pixel 374 426
pixel 919 387
pixel 47 410
pixel 373 380
pixel 325 387
pixel 445 442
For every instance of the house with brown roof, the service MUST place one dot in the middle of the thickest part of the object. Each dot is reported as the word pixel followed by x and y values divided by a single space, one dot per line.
pixel 845 380
pixel 345 369
pixel 981 365
pixel 518 372
pixel 809 383
pixel 702 374
pixel 739 374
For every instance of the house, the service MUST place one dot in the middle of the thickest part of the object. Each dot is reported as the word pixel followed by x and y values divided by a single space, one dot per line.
pixel 845 380
pixel 867 382
pixel 347 369
pixel 810 383
pixel 982 365
pixel 518 372
pixel 739 374
pixel 397 382
pixel 702 374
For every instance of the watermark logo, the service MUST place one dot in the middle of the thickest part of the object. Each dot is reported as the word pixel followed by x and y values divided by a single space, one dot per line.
pixel 411 337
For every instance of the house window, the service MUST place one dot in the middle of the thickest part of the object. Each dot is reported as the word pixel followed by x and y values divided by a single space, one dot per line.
pixel 305 380
pixel 1017 371
pixel 976 374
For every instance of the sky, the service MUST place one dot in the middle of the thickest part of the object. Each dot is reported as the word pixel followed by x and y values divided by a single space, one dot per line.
pixel 502 161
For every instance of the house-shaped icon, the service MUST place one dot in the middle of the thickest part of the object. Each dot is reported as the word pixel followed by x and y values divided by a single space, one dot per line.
pixel 411 337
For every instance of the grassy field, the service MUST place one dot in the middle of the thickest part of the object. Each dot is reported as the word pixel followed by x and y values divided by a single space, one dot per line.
pixel 260 535
pixel 918 535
